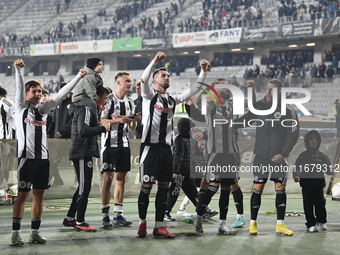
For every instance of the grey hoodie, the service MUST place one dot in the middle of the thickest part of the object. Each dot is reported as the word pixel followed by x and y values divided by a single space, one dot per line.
pixel 86 88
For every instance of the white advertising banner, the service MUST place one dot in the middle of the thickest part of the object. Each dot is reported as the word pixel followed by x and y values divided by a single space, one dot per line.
pixel 71 47
pixel 212 37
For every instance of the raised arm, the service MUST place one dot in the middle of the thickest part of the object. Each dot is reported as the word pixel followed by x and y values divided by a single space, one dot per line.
pixel 205 65
pixel 53 102
pixel 145 87
pixel 19 80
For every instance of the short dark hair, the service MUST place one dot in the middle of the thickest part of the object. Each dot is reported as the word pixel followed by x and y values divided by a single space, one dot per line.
pixel 109 89
pixel 221 79
pixel 3 92
pixel 157 71
pixel 62 84
pixel 101 90
pixel 45 91
pixel 31 84
pixel 120 74
pixel 276 82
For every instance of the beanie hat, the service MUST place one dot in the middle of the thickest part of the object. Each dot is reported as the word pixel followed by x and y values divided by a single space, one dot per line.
pixel 93 62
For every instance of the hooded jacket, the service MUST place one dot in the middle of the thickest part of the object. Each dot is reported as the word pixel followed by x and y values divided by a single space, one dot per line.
pixel 86 88
pixel 181 161
pixel 311 164
pixel 84 131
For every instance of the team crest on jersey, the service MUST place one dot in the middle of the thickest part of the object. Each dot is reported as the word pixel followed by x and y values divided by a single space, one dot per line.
pixel 277 115
pixel 105 165
pixel 89 164
pixel 68 106
pixel 22 184
pixel 146 178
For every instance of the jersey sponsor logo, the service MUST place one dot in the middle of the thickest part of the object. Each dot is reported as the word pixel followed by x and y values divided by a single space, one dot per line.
pixel 166 110
pixel 114 116
pixel 35 123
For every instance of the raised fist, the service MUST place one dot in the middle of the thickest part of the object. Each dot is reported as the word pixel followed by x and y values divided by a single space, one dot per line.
pixel 250 84
pixel 82 73
pixel 19 62
pixel 159 57
pixel 205 65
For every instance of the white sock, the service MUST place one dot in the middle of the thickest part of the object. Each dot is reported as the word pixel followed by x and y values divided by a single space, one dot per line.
pixel 141 221
pixel 69 218
pixel 222 221
pixel 279 222
pixel 252 221
pixel 240 215
pixel 118 208
pixel 159 224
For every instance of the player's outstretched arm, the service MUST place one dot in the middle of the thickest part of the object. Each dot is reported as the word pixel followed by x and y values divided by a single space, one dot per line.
pixel 205 66
pixel 145 87
pixel 53 102
pixel 19 81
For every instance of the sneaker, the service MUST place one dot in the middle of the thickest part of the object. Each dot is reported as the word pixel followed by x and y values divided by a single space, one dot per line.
pixel 16 239
pixel 281 229
pixel 36 238
pixel 84 227
pixel 239 222
pixel 162 231
pixel 189 220
pixel 142 230
pixel 253 228
pixel 312 229
pixel 106 222
pixel 68 223
pixel 121 221
pixel 209 214
pixel 321 226
pixel 225 230
pixel 198 225
pixel 182 213
pixel 167 217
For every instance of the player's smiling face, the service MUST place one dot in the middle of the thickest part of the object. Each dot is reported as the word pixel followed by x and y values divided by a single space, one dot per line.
pixel 34 95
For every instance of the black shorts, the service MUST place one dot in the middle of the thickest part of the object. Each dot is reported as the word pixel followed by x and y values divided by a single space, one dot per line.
pixel 34 172
pixel 116 159
pixel 227 173
pixel 263 166
pixel 155 163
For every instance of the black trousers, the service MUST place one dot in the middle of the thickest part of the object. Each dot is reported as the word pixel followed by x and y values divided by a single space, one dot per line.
pixel 313 199
pixel 84 171
pixel 181 182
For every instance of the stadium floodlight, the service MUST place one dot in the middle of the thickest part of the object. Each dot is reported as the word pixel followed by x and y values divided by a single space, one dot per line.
pixel 185 53
pixel 197 52
pixel 137 55
pixel 235 49
pixel 292 46
pixel 310 44
pixel 250 48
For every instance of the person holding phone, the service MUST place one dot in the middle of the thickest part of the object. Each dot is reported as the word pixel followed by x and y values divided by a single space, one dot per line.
pixel 115 152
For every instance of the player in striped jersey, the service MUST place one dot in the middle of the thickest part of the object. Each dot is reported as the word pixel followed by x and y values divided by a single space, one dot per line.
pixel 156 156
pixel 115 152
pixel 7 127
pixel 33 162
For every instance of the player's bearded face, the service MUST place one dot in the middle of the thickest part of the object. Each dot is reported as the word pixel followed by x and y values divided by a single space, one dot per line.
pixel 224 93
pixel 164 80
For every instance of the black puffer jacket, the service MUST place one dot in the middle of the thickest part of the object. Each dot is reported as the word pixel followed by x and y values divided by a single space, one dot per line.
pixel 181 162
pixel 84 131
pixel 277 139
pixel 311 164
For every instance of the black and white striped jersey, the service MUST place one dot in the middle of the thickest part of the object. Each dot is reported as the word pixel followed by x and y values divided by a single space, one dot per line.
pixel 30 120
pixel 158 109
pixel 7 125
pixel 115 109
pixel 158 116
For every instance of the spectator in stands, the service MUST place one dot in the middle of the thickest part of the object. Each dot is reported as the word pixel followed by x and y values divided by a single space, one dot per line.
pixel 335 64
pixel 330 73
pixel 294 12
pixel 57 3
pixel 181 4
pixel 281 12
pixel 67 4
pixel 289 12
pixel 85 19
pixel 313 11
